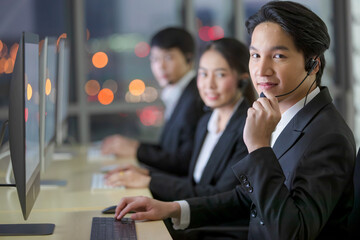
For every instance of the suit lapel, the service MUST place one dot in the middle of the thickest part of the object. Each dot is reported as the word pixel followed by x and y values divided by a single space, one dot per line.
pixel 229 138
pixel 199 141
pixel 294 130
pixel 177 110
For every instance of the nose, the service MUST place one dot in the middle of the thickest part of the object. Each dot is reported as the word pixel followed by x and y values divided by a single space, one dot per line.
pixel 264 67
pixel 210 81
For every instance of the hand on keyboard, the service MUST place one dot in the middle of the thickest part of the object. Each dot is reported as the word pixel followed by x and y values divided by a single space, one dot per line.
pixel 99 182
pixel 129 178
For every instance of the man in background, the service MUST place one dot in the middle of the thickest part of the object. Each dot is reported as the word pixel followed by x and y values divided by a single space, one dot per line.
pixel 171 58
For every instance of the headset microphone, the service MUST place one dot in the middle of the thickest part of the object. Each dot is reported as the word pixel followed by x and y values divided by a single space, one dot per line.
pixel 309 66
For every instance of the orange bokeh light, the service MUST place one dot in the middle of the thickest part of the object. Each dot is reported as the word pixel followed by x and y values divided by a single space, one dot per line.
pixel 92 87
pixel 48 87
pixel 105 96
pixel 8 66
pixel 136 87
pixel 13 51
pixel 1 45
pixel 26 113
pixel 29 92
pixel 142 49
pixel 64 35
pixel 100 59
pixel 2 65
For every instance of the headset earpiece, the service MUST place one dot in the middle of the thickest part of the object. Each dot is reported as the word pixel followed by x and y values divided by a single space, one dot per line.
pixel 310 65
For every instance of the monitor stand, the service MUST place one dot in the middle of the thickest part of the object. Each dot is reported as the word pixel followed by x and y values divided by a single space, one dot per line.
pixel 31 229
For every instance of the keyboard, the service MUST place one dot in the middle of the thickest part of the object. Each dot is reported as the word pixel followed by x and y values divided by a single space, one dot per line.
pixel 98 182
pixel 94 154
pixel 106 228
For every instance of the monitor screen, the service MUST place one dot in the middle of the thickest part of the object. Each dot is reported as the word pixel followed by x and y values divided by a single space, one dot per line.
pixel 24 122
pixel 50 91
pixel 47 91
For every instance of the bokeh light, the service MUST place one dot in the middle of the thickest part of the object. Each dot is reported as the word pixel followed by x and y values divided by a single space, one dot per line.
pixel 100 59
pixel 13 51
pixel 105 96
pixel 64 35
pixel 204 33
pixel 1 45
pixel 92 87
pixel 150 116
pixel 150 94
pixel 2 65
pixel 48 87
pixel 111 84
pixel 142 49
pixel 26 113
pixel 129 98
pixel 4 50
pixel 9 66
pixel 215 33
pixel 137 87
pixel 29 92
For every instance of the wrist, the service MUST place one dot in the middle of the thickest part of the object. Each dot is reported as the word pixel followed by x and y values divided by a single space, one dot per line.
pixel 175 210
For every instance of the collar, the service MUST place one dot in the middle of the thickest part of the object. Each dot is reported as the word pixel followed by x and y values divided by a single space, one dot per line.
pixel 212 124
pixel 290 113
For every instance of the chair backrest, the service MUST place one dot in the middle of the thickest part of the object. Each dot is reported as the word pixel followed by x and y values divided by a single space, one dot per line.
pixel 354 219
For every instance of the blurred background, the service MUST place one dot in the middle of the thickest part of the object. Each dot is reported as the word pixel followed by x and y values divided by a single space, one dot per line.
pixel 112 89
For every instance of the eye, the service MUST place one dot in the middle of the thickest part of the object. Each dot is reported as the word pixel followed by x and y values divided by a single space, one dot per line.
pixel 201 74
pixel 255 55
pixel 278 55
pixel 220 74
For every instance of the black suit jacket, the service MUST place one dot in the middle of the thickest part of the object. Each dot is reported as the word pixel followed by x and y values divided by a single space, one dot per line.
pixel 217 176
pixel 300 189
pixel 173 153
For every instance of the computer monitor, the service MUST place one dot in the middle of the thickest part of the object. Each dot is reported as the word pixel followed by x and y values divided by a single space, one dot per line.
pixel 24 134
pixel 47 84
pixel 62 91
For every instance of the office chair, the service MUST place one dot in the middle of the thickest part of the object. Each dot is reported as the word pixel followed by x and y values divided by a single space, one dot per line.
pixel 354 218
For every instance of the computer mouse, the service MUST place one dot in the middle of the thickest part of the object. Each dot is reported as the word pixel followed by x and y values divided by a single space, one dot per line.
pixel 109 210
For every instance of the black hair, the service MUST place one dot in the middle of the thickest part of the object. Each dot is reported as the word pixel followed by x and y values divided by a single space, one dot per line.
pixel 308 31
pixel 175 37
pixel 236 54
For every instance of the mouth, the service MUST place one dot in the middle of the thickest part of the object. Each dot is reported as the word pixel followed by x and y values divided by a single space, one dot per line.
pixel 212 96
pixel 266 85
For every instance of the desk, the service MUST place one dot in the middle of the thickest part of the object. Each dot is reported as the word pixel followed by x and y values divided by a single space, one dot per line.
pixel 72 207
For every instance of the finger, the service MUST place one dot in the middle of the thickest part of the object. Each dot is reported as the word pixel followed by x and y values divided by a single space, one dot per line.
pixel 121 205
pixel 132 205
pixel 257 105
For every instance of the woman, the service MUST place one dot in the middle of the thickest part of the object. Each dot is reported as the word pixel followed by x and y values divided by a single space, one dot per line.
pixel 223 83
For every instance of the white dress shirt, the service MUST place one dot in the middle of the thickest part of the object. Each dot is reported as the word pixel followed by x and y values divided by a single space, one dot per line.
pixel 286 117
pixel 170 94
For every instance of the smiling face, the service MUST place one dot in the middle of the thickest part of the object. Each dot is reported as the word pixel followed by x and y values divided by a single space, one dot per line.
pixel 168 65
pixel 216 81
pixel 276 65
